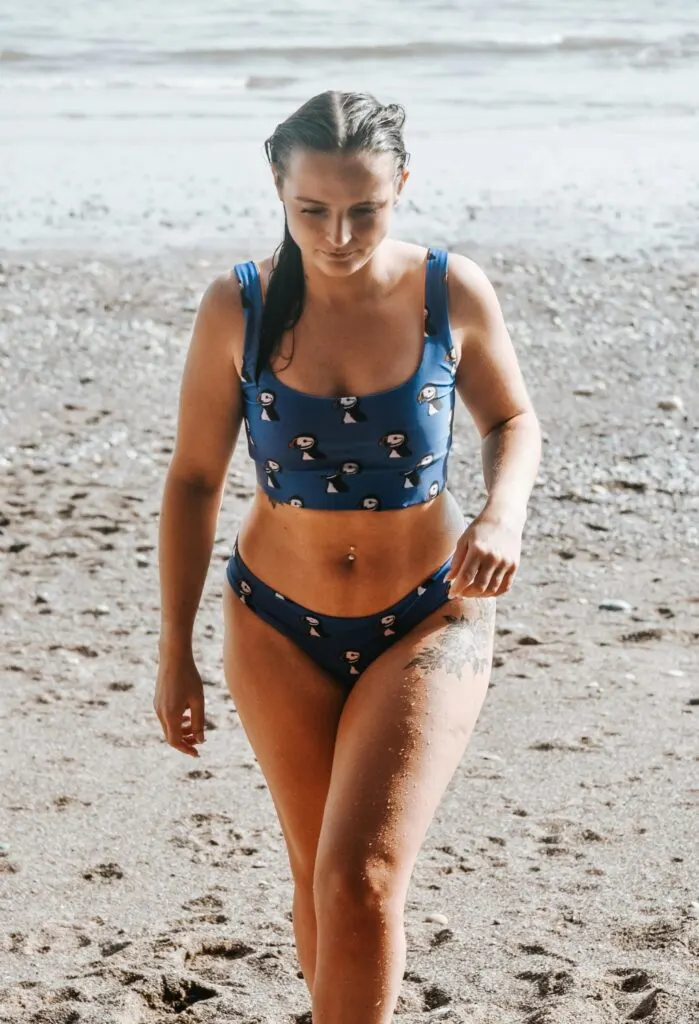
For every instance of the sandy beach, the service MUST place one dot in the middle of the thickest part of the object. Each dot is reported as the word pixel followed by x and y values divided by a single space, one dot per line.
pixel 558 884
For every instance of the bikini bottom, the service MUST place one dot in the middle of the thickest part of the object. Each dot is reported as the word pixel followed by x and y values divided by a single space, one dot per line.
pixel 342 645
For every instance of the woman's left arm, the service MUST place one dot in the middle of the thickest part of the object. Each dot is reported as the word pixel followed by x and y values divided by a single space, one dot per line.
pixel 490 383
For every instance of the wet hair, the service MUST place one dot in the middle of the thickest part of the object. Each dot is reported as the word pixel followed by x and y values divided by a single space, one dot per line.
pixel 332 122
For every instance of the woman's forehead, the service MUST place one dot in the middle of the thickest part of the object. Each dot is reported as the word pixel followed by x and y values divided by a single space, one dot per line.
pixel 329 177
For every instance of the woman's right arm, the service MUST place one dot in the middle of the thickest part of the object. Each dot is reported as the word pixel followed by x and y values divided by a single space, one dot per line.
pixel 209 418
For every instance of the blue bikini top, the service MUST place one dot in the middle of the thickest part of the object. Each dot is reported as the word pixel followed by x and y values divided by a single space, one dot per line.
pixel 384 450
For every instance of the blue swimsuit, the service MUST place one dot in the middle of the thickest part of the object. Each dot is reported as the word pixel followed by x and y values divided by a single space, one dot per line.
pixel 384 450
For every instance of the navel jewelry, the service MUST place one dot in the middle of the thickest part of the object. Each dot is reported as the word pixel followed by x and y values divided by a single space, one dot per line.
pixel 351 556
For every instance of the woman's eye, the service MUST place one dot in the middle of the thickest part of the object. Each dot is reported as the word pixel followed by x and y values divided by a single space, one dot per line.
pixel 364 211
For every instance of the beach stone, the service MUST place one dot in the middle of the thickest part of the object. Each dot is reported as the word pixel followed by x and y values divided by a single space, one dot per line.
pixel 97 610
pixel 672 404
pixel 436 918
pixel 613 605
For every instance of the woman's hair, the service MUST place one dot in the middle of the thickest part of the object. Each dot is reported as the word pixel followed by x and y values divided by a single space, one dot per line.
pixel 332 122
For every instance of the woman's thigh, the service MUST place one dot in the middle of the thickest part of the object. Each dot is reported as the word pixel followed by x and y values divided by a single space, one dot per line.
pixel 289 709
pixel 401 735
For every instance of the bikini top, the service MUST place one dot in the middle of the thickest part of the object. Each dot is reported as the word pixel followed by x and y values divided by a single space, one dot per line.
pixel 384 450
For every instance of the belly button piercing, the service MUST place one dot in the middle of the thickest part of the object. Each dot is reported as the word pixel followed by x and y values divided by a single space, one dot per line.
pixel 351 556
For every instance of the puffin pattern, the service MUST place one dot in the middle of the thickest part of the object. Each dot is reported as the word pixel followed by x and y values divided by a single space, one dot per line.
pixel 344 647
pixel 367 452
pixel 351 411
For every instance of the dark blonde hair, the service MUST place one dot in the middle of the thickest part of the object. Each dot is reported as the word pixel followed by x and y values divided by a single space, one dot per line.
pixel 342 122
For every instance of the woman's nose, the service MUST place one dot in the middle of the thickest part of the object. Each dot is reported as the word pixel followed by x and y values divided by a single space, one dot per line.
pixel 340 231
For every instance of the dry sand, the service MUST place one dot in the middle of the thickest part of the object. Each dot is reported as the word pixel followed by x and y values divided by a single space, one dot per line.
pixel 139 887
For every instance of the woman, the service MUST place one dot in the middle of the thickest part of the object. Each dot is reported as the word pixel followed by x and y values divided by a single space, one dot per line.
pixel 359 610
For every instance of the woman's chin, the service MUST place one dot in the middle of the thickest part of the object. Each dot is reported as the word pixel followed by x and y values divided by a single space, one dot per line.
pixel 338 266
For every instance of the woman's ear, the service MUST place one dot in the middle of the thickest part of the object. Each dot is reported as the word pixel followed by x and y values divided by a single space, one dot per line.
pixel 405 174
pixel 277 180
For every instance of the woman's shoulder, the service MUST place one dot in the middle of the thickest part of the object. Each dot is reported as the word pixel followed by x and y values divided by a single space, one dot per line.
pixel 472 296
pixel 222 297
pixel 221 315
pixel 226 293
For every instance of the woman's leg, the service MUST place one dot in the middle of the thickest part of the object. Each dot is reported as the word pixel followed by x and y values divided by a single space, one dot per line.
pixel 289 710
pixel 402 733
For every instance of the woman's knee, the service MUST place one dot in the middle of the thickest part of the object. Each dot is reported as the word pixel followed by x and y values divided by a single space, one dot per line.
pixel 302 863
pixel 369 885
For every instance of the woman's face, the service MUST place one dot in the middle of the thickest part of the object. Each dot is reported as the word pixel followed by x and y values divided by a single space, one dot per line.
pixel 338 206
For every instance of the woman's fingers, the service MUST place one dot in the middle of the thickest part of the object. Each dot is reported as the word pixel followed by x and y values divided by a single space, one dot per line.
pixel 506 581
pixel 178 732
pixel 486 577
pixel 472 579
pixel 179 705
pixel 191 728
pixel 177 738
pixel 184 748
pixel 497 578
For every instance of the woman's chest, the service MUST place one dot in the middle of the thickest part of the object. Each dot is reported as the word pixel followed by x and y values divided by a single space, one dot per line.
pixel 360 353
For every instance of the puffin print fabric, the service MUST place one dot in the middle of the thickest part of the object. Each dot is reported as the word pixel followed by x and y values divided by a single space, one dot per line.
pixel 344 647
pixel 385 450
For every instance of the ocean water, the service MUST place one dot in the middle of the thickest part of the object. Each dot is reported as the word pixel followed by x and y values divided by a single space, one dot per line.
pixel 140 123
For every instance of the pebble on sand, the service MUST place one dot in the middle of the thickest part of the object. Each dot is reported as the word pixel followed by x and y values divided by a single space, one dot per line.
pixel 672 404
pixel 612 605
pixel 437 919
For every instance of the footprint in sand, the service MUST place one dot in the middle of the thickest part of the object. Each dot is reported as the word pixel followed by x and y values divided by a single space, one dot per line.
pixel 225 949
pixel 551 982
pixel 658 934
pixel 105 872
pixel 62 938
pixel 631 979
pixel 573 1011
pixel 172 994
pixel 213 839
pixel 200 773
pixel 206 902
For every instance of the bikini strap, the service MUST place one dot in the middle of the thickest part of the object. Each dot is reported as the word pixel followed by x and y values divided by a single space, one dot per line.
pixel 437 299
pixel 248 276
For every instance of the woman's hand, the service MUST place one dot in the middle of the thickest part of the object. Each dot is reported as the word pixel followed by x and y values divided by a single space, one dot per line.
pixel 486 557
pixel 179 702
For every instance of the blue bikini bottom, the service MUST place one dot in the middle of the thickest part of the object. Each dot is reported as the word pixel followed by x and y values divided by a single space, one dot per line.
pixel 342 646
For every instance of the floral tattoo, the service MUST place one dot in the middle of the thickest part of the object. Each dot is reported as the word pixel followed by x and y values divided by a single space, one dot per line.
pixel 465 640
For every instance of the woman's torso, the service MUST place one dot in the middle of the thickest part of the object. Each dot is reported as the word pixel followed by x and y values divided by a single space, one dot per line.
pixel 355 561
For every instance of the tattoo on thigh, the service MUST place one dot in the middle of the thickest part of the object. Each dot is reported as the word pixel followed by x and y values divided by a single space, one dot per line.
pixel 465 640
